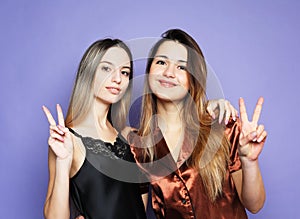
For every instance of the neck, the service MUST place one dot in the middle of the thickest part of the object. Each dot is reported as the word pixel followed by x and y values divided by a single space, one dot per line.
pixel 169 118
pixel 96 118
pixel 172 126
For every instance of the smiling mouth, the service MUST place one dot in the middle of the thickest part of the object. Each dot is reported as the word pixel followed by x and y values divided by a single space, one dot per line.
pixel 114 90
pixel 167 84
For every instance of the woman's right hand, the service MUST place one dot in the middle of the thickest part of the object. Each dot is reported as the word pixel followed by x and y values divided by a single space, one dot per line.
pixel 60 138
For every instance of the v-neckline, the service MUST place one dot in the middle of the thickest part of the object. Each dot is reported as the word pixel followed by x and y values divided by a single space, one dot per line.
pixel 163 150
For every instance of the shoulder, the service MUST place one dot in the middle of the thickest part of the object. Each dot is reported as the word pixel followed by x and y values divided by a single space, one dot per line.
pixel 232 130
pixel 79 151
pixel 233 127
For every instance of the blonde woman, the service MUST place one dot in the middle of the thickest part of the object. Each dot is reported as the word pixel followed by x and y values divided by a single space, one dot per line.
pixel 96 115
pixel 198 168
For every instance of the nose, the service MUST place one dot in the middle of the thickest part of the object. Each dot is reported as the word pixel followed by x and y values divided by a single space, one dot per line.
pixel 116 76
pixel 169 71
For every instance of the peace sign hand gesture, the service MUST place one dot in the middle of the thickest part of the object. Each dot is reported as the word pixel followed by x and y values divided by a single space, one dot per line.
pixel 60 138
pixel 252 136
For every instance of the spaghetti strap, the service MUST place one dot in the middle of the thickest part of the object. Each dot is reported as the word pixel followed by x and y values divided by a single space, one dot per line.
pixel 75 133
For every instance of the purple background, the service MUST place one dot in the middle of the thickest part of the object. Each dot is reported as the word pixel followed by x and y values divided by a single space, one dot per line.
pixel 253 47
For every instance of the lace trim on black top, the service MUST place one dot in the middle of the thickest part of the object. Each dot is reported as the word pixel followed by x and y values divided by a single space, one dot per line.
pixel 118 150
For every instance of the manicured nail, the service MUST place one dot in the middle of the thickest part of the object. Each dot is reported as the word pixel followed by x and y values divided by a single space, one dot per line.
pixel 253 135
pixel 60 129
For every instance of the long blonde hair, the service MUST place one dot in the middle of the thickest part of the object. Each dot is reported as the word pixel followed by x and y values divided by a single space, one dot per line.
pixel 211 152
pixel 82 94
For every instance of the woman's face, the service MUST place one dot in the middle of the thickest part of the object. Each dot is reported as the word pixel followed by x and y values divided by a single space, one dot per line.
pixel 168 76
pixel 112 75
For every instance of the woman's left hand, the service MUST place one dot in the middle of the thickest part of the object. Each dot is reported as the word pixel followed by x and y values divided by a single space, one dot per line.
pixel 252 136
pixel 221 108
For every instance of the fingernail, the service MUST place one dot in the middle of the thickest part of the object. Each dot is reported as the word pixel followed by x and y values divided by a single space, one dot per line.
pixel 253 134
pixel 260 139
pixel 60 129
pixel 226 121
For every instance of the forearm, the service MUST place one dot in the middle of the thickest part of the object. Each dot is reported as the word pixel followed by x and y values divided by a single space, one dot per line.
pixel 57 205
pixel 145 200
pixel 253 191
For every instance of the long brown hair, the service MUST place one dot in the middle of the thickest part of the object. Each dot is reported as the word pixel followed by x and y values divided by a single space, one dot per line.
pixel 82 94
pixel 211 152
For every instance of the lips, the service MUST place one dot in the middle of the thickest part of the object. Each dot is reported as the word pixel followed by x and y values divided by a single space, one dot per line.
pixel 167 84
pixel 114 90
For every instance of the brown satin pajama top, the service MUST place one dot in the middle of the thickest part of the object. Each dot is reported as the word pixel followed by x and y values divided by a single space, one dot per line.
pixel 177 190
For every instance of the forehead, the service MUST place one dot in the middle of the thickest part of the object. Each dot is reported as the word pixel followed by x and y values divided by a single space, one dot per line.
pixel 116 55
pixel 173 50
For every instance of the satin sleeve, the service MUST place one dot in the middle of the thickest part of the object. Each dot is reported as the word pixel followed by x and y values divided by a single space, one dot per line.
pixel 233 131
pixel 134 142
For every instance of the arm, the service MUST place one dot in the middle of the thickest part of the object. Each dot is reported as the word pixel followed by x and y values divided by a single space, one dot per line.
pixel 248 180
pixel 57 199
pixel 250 187
pixel 125 132
pixel 145 200
pixel 59 160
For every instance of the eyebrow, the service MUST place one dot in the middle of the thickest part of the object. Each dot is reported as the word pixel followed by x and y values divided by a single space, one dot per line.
pixel 166 57
pixel 110 63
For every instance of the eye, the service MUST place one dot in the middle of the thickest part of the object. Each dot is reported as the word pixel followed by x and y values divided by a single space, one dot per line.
pixel 126 73
pixel 181 67
pixel 106 68
pixel 160 62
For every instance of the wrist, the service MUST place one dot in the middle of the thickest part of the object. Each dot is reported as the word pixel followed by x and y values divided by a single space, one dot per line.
pixel 63 165
pixel 247 163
